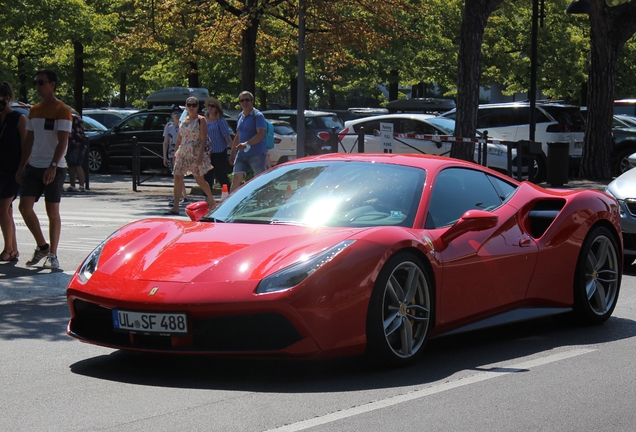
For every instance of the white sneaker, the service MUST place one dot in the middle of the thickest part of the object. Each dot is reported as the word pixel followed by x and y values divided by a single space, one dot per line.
pixel 82 189
pixel 51 262
pixel 71 189
pixel 38 255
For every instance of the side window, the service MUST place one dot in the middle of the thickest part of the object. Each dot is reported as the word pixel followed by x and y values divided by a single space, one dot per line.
pixel 158 121
pixel 521 116
pixel 369 127
pixel 504 189
pixel 457 190
pixel 411 126
pixel 135 123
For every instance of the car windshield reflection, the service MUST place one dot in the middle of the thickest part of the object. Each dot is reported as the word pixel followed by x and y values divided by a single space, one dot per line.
pixel 337 194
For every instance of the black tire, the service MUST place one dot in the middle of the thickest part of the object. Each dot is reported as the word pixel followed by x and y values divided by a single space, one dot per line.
pixel 598 277
pixel 97 160
pixel 540 170
pixel 622 163
pixel 400 312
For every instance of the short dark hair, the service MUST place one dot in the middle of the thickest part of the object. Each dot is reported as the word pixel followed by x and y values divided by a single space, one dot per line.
pixel 6 90
pixel 50 75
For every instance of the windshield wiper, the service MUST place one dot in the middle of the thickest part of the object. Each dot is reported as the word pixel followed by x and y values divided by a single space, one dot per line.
pixel 284 222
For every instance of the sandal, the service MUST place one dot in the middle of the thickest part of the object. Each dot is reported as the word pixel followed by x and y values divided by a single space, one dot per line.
pixel 9 256
pixel 172 213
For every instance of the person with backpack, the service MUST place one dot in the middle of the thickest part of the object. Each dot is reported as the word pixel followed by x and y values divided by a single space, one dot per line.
pixel 248 150
pixel 77 144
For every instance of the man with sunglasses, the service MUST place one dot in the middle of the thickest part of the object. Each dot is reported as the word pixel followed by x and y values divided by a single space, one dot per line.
pixel 249 141
pixel 42 168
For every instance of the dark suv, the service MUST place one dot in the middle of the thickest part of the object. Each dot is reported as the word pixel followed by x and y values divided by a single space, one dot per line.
pixel 114 147
pixel 318 128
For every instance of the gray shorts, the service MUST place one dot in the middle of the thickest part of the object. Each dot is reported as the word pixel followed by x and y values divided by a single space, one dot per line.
pixel 33 186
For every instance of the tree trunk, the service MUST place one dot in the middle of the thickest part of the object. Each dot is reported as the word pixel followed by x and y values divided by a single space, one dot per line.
pixel 22 77
pixel 611 27
pixel 596 163
pixel 122 89
pixel 262 96
pixel 193 74
pixel 476 13
pixel 78 72
pixel 248 57
pixel 394 82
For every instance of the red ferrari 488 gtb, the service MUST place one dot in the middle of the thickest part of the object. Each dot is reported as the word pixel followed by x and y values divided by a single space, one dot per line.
pixel 347 254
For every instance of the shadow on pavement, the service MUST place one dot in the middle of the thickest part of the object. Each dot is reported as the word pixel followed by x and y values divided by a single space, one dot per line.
pixel 442 358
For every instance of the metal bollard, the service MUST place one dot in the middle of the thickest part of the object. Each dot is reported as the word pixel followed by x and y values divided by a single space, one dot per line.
pixel 334 140
pixel 135 163
pixel 361 140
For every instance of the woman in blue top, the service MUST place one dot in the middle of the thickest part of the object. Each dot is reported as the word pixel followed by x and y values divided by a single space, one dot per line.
pixel 218 141
pixel 249 141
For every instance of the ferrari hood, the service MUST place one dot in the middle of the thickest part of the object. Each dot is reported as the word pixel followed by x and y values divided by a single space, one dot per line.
pixel 176 251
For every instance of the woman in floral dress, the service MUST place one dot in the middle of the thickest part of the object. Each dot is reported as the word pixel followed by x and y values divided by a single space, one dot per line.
pixel 189 154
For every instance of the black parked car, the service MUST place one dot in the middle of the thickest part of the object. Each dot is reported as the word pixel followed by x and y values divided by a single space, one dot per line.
pixel 114 147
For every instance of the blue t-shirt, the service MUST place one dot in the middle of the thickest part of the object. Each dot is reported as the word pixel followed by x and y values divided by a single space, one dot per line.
pixel 247 129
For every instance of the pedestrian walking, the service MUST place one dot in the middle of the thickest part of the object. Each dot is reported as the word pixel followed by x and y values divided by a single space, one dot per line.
pixel 170 133
pixel 189 154
pixel 218 141
pixel 42 167
pixel 12 135
pixel 248 149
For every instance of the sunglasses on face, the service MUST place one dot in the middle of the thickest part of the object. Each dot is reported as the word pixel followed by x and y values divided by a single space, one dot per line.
pixel 39 82
pixel 192 105
pixel 245 100
pixel 211 106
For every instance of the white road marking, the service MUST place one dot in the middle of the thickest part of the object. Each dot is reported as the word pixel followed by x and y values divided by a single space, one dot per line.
pixel 493 372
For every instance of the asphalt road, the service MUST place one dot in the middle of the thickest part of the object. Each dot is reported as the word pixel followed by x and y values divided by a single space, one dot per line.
pixel 545 374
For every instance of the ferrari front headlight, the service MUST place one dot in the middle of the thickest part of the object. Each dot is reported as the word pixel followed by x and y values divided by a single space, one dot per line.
pixel 296 273
pixel 89 266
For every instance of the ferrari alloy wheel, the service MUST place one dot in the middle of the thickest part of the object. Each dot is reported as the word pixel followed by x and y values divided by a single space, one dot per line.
pixel 399 315
pixel 598 277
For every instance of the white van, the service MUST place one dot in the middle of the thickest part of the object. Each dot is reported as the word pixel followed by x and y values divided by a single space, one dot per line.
pixel 555 122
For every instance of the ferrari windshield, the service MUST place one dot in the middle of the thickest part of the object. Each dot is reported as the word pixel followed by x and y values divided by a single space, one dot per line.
pixel 327 193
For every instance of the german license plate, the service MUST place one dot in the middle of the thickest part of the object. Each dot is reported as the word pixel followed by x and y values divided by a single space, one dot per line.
pixel 150 322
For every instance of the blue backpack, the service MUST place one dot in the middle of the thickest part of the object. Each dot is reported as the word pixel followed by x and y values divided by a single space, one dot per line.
pixel 269 135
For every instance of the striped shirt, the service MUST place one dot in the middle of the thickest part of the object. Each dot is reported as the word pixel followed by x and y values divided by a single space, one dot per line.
pixel 45 120
pixel 217 132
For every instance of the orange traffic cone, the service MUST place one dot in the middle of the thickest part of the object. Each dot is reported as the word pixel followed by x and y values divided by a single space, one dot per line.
pixel 224 192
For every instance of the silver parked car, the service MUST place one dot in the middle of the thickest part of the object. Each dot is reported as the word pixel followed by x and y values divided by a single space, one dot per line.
pixel 623 188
